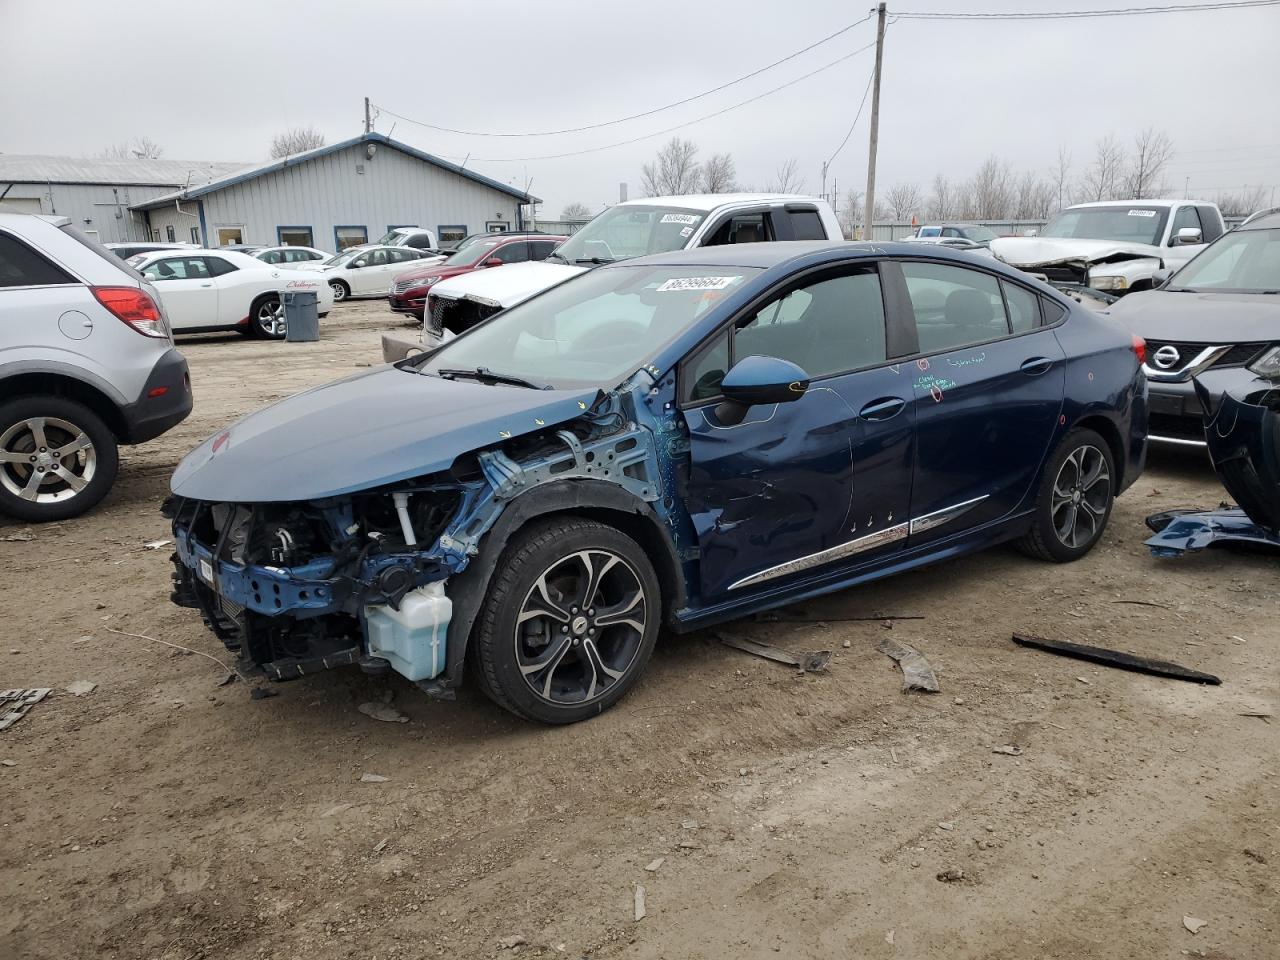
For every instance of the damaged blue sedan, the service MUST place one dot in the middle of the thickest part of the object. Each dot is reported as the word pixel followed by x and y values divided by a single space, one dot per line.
pixel 669 442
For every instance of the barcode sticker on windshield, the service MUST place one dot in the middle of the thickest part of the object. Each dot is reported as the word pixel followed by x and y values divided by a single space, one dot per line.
pixel 697 283
pixel 680 218
pixel 1142 213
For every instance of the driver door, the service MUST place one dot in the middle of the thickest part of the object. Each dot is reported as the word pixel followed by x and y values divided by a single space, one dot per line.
pixel 810 486
pixel 371 277
pixel 187 289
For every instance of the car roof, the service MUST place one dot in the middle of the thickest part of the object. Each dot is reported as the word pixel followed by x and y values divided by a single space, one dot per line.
pixel 1149 202
pixel 767 255
pixel 713 201
pixel 1262 220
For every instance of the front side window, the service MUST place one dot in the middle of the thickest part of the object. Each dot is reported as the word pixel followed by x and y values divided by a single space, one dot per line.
pixel 391 238
pixel 825 327
pixel 472 253
pixel 595 331
pixel 272 256
pixel 1184 218
pixel 345 237
pixel 1245 261
pixel 743 228
pixel 631 231
pixel 929 232
pixel 375 258
pixel 517 252
pixel 176 268
pixel 541 249
pixel 1124 224
pixel 954 306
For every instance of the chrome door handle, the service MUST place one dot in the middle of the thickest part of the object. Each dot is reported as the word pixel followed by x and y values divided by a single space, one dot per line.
pixel 885 408
pixel 1036 366
pixel 210 284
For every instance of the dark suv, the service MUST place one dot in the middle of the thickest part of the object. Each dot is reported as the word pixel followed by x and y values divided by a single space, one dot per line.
pixel 1220 312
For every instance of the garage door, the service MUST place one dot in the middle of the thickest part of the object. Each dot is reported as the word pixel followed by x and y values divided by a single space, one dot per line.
pixel 20 205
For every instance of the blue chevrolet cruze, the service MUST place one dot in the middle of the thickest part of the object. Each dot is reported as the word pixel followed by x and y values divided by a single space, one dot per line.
pixel 672 441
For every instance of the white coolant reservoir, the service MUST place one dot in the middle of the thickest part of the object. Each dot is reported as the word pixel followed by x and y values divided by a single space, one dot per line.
pixel 413 637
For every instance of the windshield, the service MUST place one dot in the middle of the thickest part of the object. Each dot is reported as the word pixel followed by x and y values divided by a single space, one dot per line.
pixel 391 239
pixel 1246 261
pixel 625 231
pixel 472 253
pixel 978 234
pixel 1135 224
pixel 594 330
pixel 345 257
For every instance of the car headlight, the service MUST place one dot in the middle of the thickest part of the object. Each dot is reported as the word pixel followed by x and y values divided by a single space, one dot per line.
pixel 430 280
pixel 1267 366
pixel 1109 283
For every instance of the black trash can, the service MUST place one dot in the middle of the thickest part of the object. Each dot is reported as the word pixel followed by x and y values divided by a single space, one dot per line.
pixel 301 316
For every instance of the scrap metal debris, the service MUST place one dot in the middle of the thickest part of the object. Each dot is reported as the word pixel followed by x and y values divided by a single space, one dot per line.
pixel 1116 658
pixel 917 675
pixel 814 661
pixel 1008 750
pixel 15 704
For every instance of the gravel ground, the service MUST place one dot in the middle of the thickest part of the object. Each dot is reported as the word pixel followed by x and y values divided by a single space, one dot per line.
pixel 763 813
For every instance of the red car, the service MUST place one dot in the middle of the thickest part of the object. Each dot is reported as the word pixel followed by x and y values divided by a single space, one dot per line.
pixel 409 291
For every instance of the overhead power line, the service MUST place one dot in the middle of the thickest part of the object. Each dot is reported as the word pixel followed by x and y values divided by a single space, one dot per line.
pixel 1083 14
pixel 856 117
pixel 678 126
pixel 647 113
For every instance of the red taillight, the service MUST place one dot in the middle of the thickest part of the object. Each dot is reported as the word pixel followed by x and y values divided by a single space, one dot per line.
pixel 1140 348
pixel 135 307
pixel 157 392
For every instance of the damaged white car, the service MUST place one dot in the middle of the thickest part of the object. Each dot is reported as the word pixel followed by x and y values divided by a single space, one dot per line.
pixel 1114 245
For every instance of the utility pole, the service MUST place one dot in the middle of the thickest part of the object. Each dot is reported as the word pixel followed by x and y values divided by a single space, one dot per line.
pixel 368 122
pixel 875 127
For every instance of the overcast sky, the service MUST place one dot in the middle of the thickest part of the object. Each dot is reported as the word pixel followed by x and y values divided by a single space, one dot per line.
pixel 215 81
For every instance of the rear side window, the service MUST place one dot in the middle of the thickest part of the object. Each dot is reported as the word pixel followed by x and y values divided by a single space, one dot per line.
pixel 217 266
pixel 954 306
pixel 272 256
pixel 20 266
pixel 1024 307
pixel 807 225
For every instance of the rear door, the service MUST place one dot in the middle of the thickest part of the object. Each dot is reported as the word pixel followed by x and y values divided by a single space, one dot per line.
pixel 814 485
pixel 988 384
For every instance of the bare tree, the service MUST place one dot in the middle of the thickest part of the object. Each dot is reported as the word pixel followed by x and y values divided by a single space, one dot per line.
pixel 1248 201
pixel 1152 150
pixel 575 211
pixel 991 191
pixel 1034 198
pixel 674 171
pixel 904 200
pixel 941 203
pixel 1061 176
pixel 787 178
pixel 1103 180
pixel 851 210
pixel 140 148
pixel 297 140
pixel 719 174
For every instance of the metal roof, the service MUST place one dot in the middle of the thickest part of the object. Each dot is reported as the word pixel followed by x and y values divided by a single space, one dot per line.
pixel 250 173
pixel 38 168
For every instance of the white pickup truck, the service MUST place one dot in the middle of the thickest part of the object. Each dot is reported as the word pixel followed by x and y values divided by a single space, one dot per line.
pixel 632 229
pixel 1114 245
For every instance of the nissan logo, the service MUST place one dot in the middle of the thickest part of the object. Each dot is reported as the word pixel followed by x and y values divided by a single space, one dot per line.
pixel 1167 357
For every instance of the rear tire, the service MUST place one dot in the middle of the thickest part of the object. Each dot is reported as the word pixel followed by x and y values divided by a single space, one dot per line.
pixel 1077 492
pixel 57 458
pixel 569 621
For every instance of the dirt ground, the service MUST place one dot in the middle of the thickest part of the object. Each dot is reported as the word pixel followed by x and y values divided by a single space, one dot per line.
pixel 764 813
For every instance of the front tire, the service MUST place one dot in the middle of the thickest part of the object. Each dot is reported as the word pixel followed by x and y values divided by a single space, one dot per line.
pixel 340 290
pixel 57 458
pixel 266 318
pixel 1075 499
pixel 569 622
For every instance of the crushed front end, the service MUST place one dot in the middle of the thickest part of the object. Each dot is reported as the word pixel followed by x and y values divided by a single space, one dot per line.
pixel 371 578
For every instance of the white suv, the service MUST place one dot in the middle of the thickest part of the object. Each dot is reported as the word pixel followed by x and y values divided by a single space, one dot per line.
pixel 87 362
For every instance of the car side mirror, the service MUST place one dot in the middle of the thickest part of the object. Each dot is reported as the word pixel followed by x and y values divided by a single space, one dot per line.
pixel 1188 235
pixel 754 381
pixel 1160 278
pixel 493 262
pixel 362 262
